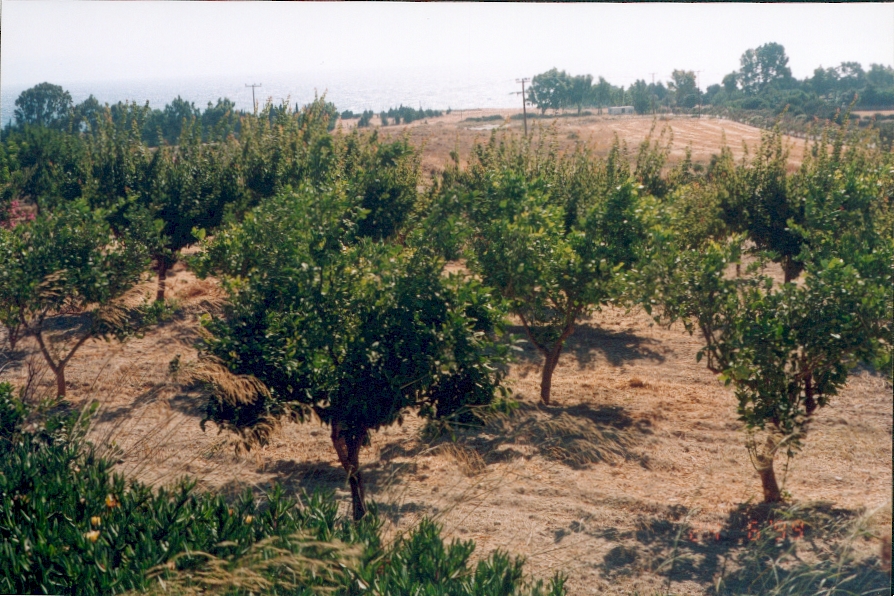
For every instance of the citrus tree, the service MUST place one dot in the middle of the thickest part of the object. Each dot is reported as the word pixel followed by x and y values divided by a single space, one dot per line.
pixel 553 235
pixel 65 264
pixel 358 332
pixel 785 350
pixel 165 195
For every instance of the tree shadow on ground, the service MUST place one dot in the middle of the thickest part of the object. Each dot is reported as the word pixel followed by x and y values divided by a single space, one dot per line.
pixel 12 359
pixel 61 329
pixel 588 343
pixel 576 435
pixel 110 414
pixel 759 549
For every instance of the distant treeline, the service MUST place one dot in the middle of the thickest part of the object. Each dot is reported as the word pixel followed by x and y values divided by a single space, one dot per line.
pixel 402 114
pixel 50 106
pixel 763 83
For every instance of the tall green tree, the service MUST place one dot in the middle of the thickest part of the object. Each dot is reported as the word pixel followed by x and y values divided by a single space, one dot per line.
pixel 786 351
pixel 641 97
pixel 86 115
pixel 683 85
pixel 550 90
pixel 764 66
pixel 386 178
pixel 50 166
pixel 580 91
pixel 43 105
pixel 761 204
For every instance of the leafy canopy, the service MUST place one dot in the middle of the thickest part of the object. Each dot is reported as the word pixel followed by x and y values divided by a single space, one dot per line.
pixel 355 330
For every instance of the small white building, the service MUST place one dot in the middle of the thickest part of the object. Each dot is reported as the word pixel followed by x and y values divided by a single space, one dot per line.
pixel 618 110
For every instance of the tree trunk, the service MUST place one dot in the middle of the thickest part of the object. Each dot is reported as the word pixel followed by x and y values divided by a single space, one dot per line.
pixel 60 381
pixel 763 463
pixel 791 269
pixel 162 268
pixel 552 358
pixel 358 491
pixel 546 379
pixel 12 334
pixel 347 446
pixel 772 494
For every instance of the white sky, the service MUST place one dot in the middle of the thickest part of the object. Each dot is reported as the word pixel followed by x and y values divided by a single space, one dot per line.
pixel 113 41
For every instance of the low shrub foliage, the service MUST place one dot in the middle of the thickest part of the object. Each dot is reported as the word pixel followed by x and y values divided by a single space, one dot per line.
pixel 69 524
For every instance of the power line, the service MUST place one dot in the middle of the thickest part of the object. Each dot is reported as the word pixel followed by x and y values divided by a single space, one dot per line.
pixel 253 102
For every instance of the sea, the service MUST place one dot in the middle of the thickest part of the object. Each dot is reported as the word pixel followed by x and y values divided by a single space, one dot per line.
pixel 348 90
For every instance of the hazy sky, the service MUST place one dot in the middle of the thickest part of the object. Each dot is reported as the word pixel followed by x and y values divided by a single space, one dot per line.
pixel 110 41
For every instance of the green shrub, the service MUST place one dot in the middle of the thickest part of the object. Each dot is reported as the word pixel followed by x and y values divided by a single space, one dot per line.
pixel 490 118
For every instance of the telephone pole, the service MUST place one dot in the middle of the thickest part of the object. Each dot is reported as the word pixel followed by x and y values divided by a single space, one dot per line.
pixel 524 101
pixel 653 91
pixel 698 90
pixel 253 102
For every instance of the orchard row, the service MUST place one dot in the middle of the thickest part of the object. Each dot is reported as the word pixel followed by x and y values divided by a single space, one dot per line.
pixel 332 251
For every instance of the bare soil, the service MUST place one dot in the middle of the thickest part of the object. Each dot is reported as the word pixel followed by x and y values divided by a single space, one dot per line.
pixel 635 480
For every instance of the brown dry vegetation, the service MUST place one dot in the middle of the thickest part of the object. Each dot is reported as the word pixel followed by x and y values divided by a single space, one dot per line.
pixel 439 136
pixel 637 479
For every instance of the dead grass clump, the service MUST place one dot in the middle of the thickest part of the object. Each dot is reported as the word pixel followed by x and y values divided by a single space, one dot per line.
pixel 201 295
pixel 572 440
pixel 285 563
pixel 232 391
pixel 468 459
pixel 637 383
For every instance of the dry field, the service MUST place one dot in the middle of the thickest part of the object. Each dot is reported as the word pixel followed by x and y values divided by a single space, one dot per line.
pixel 636 480
pixel 704 136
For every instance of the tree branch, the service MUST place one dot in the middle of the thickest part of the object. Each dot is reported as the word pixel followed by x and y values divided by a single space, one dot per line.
pixel 527 328
pixel 38 334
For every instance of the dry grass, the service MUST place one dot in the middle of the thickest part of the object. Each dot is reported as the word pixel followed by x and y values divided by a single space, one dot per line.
pixel 290 562
pixel 704 136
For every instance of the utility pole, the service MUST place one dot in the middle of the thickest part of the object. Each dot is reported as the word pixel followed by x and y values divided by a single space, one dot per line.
pixel 653 91
pixel 524 101
pixel 698 89
pixel 253 102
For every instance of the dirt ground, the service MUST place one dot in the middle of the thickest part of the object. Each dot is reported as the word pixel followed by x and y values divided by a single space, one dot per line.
pixel 636 480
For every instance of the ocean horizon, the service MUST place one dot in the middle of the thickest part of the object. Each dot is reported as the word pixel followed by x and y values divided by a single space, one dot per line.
pixel 356 91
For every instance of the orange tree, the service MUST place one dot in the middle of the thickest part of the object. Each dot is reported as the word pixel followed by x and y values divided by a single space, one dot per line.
pixel 355 330
pixel 166 194
pixel 554 235
pixel 66 264
pixel 786 350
